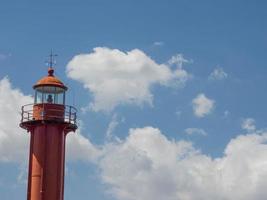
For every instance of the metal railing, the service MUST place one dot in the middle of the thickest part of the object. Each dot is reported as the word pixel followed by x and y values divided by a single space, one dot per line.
pixel 68 113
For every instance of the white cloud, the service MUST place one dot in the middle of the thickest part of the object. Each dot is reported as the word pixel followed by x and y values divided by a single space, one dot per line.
pixel 178 60
pixel 13 140
pixel 80 148
pixel 111 126
pixel 115 77
pixel 134 168
pixel 158 43
pixel 195 131
pixel 147 165
pixel 248 124
pixel 218 74
pixel 202 105
pixel 115 121
pixel 22 177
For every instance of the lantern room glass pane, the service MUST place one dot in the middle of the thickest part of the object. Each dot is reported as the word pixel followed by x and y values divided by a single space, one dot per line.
pixel 50 94
pixel 38 97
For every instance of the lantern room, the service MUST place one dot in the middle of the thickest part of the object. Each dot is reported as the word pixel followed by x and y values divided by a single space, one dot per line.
pixel 50 90
pixel 49 103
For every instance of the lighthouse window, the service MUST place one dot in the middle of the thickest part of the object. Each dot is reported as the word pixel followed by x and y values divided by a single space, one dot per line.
pixel 59 98
pixel 50 94
pixel 38 97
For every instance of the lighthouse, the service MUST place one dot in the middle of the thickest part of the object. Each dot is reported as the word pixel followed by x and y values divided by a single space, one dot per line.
pixel 48 120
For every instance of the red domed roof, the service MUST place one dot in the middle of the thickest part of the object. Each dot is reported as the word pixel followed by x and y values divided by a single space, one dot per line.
pixel 50 80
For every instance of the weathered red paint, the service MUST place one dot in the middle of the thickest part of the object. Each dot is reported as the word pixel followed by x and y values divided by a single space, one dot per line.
pixel 46 162
pixel 48 111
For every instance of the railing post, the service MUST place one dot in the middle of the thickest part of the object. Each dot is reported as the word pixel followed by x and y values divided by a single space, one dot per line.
pixel 69 114
pixel 22 113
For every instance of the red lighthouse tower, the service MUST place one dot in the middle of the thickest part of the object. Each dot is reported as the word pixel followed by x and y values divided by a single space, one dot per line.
pixel 49 121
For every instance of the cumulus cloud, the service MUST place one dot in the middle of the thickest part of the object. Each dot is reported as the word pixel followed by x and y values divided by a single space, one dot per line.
pixel 218 74
pixel 80 148
pixel 195 131
pixel 115 121
pixel 202 105
pixel 13 140
pixel 178 60
pixel 115 77
pixel 147 165
pixel 135 168
pixel 248 124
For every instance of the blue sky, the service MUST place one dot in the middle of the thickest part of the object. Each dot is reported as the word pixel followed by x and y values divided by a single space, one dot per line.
pixel 217 102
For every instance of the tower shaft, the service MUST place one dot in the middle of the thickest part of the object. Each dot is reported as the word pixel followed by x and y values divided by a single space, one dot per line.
pixel 46 162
